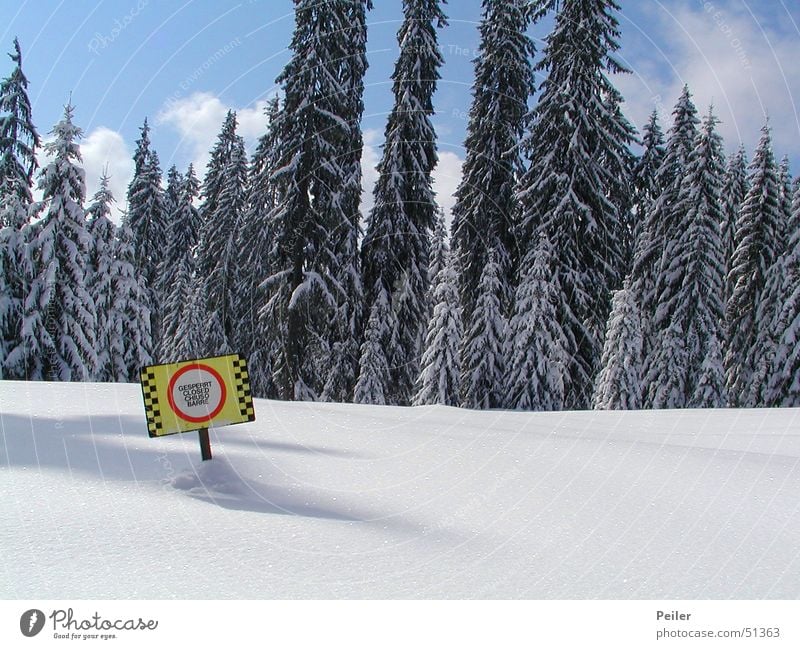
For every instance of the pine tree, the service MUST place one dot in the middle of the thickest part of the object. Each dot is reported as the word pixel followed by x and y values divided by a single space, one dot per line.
pixel 619 383
pixel 568 191
pixel 756 252
pixel 537 345
pixel 661 230
pixel 18 143
pixel 99 280
pixel 734 191
pixel 313 267
pixel 132 340
pixel 178 262
pixel 224 190
pixel 147 222
pixel 692 306
pixel 374 377
pixel 440 376
pixel 58 330
pixel 483 354
pixel 486 211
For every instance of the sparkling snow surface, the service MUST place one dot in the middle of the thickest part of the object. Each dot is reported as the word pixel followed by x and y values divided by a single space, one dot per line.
pixel 330 501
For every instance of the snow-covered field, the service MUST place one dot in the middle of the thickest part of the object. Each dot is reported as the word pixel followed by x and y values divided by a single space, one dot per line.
pixel 330 501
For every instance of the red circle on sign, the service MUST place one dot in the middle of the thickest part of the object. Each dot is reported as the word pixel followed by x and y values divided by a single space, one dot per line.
pixel 203 368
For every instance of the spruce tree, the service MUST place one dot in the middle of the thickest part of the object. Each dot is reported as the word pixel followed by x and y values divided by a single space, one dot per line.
pixel 99 278
pixel 224 190
pixel 396 246
pixel 147 221
pixel 646 187
pixel 783 387
pixel 349 49
pixel 483 354
pixel 538 347
pixel 661 230
pixel 312 272
pixel 486 210
pixel 132 340
pixel 58 330
pixel 18 143
pixel 692 305
pixel 440 377
pixel 374 377
pixel 619 383
pixel 568 191
pixel 758 234
pixel 785 203
pixel 734 191
pixel 178 262
pixel 255 240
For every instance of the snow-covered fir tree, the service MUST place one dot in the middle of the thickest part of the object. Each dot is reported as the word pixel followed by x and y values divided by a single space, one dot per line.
pixel 785 203
pixel 486 210
pixel 757 250
pixel 189 339
pixel 312 274
pixel 538 347
pixel 57 340
pixel 18 143
pixel 660 230
pixel 224 190
pixel 619 383
pixel 440 375
pixel 567 193
pixel 783 387
pixel 734 191
pixel 374 377
pixel 440 248
pixel 484 344
pixel 349 48
pixel 396 246
pixel 99 278
pixel 255 239
pixel 693 307
pixel 178 262
pixel 646 187
pixel 147 221
pixel 131 338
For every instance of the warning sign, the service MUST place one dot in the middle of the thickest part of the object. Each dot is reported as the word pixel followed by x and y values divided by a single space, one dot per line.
pixel 196 394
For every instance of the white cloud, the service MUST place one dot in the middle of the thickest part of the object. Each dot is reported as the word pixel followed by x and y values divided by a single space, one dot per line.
pixel 198 120
pixel 106 148
pixel 446 178
pixel 728 57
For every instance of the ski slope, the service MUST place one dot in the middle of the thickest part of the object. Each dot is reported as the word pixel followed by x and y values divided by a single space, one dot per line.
pixel 347 501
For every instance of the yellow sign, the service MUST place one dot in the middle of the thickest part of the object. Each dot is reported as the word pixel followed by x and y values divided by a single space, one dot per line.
pixel 196 394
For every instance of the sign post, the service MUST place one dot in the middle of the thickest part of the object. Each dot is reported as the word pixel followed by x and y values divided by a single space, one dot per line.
pixel 196 395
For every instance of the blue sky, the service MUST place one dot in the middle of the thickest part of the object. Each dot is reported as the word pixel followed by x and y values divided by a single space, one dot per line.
pixel 182 64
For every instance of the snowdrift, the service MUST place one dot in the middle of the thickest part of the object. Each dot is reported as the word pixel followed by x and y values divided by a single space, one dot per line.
pixel 334 500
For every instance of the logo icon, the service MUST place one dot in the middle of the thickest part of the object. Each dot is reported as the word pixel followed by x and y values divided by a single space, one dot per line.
pixel 31 622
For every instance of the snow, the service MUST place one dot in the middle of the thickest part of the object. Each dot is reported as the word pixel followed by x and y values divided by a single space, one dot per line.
pixel 321 500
